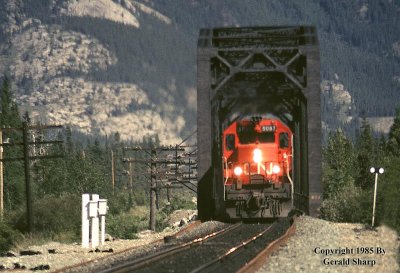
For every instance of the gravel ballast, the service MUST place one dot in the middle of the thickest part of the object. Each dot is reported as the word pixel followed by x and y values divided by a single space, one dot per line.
pixel 67 255
pixel 296 255
pixel 70 254
pixel 317 244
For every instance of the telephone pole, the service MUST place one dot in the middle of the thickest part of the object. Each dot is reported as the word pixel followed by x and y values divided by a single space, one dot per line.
pixel 130 177
pixel 1 177
pixel 26 158
pixel 112 171
pixel 27 177
pixel 153 190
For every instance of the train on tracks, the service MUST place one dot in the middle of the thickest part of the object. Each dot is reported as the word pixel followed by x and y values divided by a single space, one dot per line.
pixel 257 166
pixel 258 122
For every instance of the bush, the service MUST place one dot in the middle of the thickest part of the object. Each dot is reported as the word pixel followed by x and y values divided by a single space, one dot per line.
pixel 58 214
pixel 351 204
pixel 119 203
pixel 178 203
pixel 51 215
pixel 123 226
pixel 7 236
pixel 140 198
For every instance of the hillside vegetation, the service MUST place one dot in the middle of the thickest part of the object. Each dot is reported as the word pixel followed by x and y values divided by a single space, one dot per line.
pixel 149 47
pixel 348 183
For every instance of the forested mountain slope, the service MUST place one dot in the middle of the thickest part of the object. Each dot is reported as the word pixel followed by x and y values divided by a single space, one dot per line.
pixel 130 66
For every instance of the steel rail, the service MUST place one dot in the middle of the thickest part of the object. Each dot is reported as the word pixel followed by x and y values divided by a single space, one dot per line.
pixel 129 266
pixel 234 250
pixel 257 262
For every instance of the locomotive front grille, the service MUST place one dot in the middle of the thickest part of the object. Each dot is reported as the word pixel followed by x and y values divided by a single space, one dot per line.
pixel 257 179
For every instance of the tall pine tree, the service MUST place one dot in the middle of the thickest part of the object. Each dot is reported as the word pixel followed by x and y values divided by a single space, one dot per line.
pixel 338 165
pixel 9 110
pixel 393 144
pixel 367 156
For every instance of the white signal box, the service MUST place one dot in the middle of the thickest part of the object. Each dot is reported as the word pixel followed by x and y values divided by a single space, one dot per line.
pixel 102 206
pixel 93 209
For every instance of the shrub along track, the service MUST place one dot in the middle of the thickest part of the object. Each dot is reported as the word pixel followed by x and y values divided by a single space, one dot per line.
pixel 227 250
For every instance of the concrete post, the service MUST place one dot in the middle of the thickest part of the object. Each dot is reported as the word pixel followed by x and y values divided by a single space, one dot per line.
pixel 103 229
pixel 93 213
pixel 85 220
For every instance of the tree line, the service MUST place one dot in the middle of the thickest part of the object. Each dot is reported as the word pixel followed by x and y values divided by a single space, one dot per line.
pixel 349 185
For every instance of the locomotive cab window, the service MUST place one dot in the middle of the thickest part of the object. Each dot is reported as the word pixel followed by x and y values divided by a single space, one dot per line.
pixel 230 142
pixel 266 137
pixel 283 140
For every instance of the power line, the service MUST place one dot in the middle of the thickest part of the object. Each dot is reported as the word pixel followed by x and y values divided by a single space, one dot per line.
pixel 169 166
pixel 26 158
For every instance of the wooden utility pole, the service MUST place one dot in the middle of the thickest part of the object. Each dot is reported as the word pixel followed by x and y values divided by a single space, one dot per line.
pixel 153 189
pixel 129 173
pixel 1 177
pixel 112 171
pixel 130 177
pixel 28 190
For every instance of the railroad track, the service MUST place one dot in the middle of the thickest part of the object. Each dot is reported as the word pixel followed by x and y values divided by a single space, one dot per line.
pixel 227 250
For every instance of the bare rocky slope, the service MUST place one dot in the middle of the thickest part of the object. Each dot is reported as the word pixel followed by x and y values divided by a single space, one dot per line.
pixel 50 68
pixel 129 65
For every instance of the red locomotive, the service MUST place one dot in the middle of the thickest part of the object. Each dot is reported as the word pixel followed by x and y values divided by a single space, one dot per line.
pixel 257 167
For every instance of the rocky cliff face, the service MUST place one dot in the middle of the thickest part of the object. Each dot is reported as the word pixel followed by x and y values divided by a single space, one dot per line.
pixel 340 106
pixel 50 67
pixel 104 9
pixel 128 66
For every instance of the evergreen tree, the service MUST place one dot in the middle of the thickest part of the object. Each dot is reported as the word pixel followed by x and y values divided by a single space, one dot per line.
pixel 389 186
pixel 388 194
pixel 344 201
pixel 26 118
pixel 70 147
pixel 9 110
pixel 393 144
pixel 382 146
pixel 367 156
pixel 338 164
pixel 14 189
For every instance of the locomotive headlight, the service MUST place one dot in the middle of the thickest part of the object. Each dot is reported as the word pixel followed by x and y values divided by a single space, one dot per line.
pixel 276 169
pixel 257 155
pixel 238 171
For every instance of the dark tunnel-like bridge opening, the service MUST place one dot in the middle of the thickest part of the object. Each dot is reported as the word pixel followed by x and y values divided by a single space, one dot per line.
pixel 256 71
pixel 263 94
